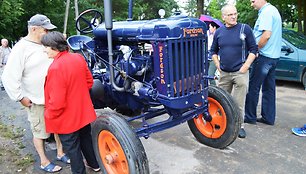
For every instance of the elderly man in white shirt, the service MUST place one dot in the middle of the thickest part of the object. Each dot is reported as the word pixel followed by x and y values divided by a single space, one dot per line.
pixel 23 79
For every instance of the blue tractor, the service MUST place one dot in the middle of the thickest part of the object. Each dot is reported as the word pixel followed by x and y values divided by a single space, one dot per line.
pixel 146 69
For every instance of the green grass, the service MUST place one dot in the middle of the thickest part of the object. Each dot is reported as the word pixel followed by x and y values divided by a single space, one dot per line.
pixel 25 161
pixel 8 132
pixel 11 154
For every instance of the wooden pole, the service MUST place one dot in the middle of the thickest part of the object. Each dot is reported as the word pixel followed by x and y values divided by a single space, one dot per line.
pixel 76 13
pixel 66 17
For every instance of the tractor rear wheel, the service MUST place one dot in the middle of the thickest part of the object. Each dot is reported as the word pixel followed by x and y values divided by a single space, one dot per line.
pixel 117 148
pixel 225 124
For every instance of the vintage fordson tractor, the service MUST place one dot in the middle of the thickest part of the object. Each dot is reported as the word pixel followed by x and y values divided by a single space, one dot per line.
pixel 147 69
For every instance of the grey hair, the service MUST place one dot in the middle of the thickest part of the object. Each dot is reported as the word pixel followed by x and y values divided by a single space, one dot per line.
pixel 223 9
pixel 55 40
pixel 2 40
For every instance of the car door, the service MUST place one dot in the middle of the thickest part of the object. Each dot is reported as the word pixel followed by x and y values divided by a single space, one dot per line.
pixel 287 67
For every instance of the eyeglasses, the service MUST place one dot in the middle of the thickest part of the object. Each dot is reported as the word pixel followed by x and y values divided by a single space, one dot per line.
pixel 231 14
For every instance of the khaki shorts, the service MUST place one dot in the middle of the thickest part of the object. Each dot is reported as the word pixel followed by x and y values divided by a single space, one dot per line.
pixel 37 121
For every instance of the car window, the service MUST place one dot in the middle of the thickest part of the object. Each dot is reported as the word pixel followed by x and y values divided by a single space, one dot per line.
pixel 295 38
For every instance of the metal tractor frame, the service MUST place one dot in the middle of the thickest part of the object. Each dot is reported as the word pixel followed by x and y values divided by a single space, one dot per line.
pixel 147 69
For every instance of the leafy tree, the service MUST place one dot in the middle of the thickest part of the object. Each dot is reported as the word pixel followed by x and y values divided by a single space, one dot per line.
pixel 16 13
pixel 200 7
pixel 54 9
pixel 292 11
pixel 246 13
pixel 11 11
pixel 214 9
pixel 150 8
pixel 191 8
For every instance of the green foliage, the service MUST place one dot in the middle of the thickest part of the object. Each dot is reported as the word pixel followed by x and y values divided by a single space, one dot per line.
pixel 214 9
pixel 16 13
pixel 247 14
pixel 287 9
pixel 191 8
pixel 150 8
pixel 11 11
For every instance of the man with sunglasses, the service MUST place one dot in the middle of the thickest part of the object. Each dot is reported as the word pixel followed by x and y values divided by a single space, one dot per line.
pixel 268 34
pixel 23 79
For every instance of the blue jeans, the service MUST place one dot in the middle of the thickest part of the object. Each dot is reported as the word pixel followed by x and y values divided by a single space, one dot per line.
pixel 77 143
pixel 262 74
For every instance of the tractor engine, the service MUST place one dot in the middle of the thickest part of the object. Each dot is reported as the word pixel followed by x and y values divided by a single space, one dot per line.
pixel 155 62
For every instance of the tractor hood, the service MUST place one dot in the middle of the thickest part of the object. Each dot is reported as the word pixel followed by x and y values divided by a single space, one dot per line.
pixel 173 27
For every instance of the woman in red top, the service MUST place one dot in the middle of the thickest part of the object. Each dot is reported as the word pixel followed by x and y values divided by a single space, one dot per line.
pixel 68 107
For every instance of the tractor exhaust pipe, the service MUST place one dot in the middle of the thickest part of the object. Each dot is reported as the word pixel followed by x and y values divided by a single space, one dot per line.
pixel 109 26
pixel 130 15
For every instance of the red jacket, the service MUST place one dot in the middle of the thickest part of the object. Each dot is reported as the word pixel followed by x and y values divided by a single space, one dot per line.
pixel 67 100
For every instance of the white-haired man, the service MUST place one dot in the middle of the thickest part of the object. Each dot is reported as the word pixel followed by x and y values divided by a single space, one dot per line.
pixel 5 51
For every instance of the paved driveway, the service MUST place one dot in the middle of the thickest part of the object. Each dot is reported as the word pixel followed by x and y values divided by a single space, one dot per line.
pixel 267 149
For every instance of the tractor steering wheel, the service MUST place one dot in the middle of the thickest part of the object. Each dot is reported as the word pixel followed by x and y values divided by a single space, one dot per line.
pixel 88 20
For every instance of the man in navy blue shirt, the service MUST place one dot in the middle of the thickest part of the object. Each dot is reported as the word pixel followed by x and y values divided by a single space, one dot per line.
pixel 236 46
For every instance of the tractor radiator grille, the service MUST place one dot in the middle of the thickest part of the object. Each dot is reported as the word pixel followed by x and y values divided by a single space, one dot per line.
pixel 186 66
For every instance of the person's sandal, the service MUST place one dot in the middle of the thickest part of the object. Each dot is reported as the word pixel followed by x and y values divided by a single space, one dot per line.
pixel 65 159
pixel 50 168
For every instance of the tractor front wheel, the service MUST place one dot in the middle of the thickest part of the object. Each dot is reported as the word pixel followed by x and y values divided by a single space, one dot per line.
pixel 117 148
pixel 223 129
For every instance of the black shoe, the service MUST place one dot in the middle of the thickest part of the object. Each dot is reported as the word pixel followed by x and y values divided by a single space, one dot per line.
pixel 262 120
pixel 242 133
pixel 250 122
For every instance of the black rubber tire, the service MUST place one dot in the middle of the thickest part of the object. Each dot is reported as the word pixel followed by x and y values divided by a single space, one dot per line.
pixel 304 80
pixel 129 142
pixel 233 120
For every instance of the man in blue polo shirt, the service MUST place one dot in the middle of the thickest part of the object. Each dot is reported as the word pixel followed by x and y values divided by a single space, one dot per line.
pixel 268 34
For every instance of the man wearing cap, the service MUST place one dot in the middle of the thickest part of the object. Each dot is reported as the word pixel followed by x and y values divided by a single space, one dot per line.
pixel 23 79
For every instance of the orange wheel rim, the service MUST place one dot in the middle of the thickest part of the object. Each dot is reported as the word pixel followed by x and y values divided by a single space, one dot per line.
pixel 217 126
pixel 112 154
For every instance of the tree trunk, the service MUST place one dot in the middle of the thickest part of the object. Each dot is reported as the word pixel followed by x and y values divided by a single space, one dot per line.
pixel 299 6
pixel 200 7
pixel 292 24
pixel 304 18
pixel 66 17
